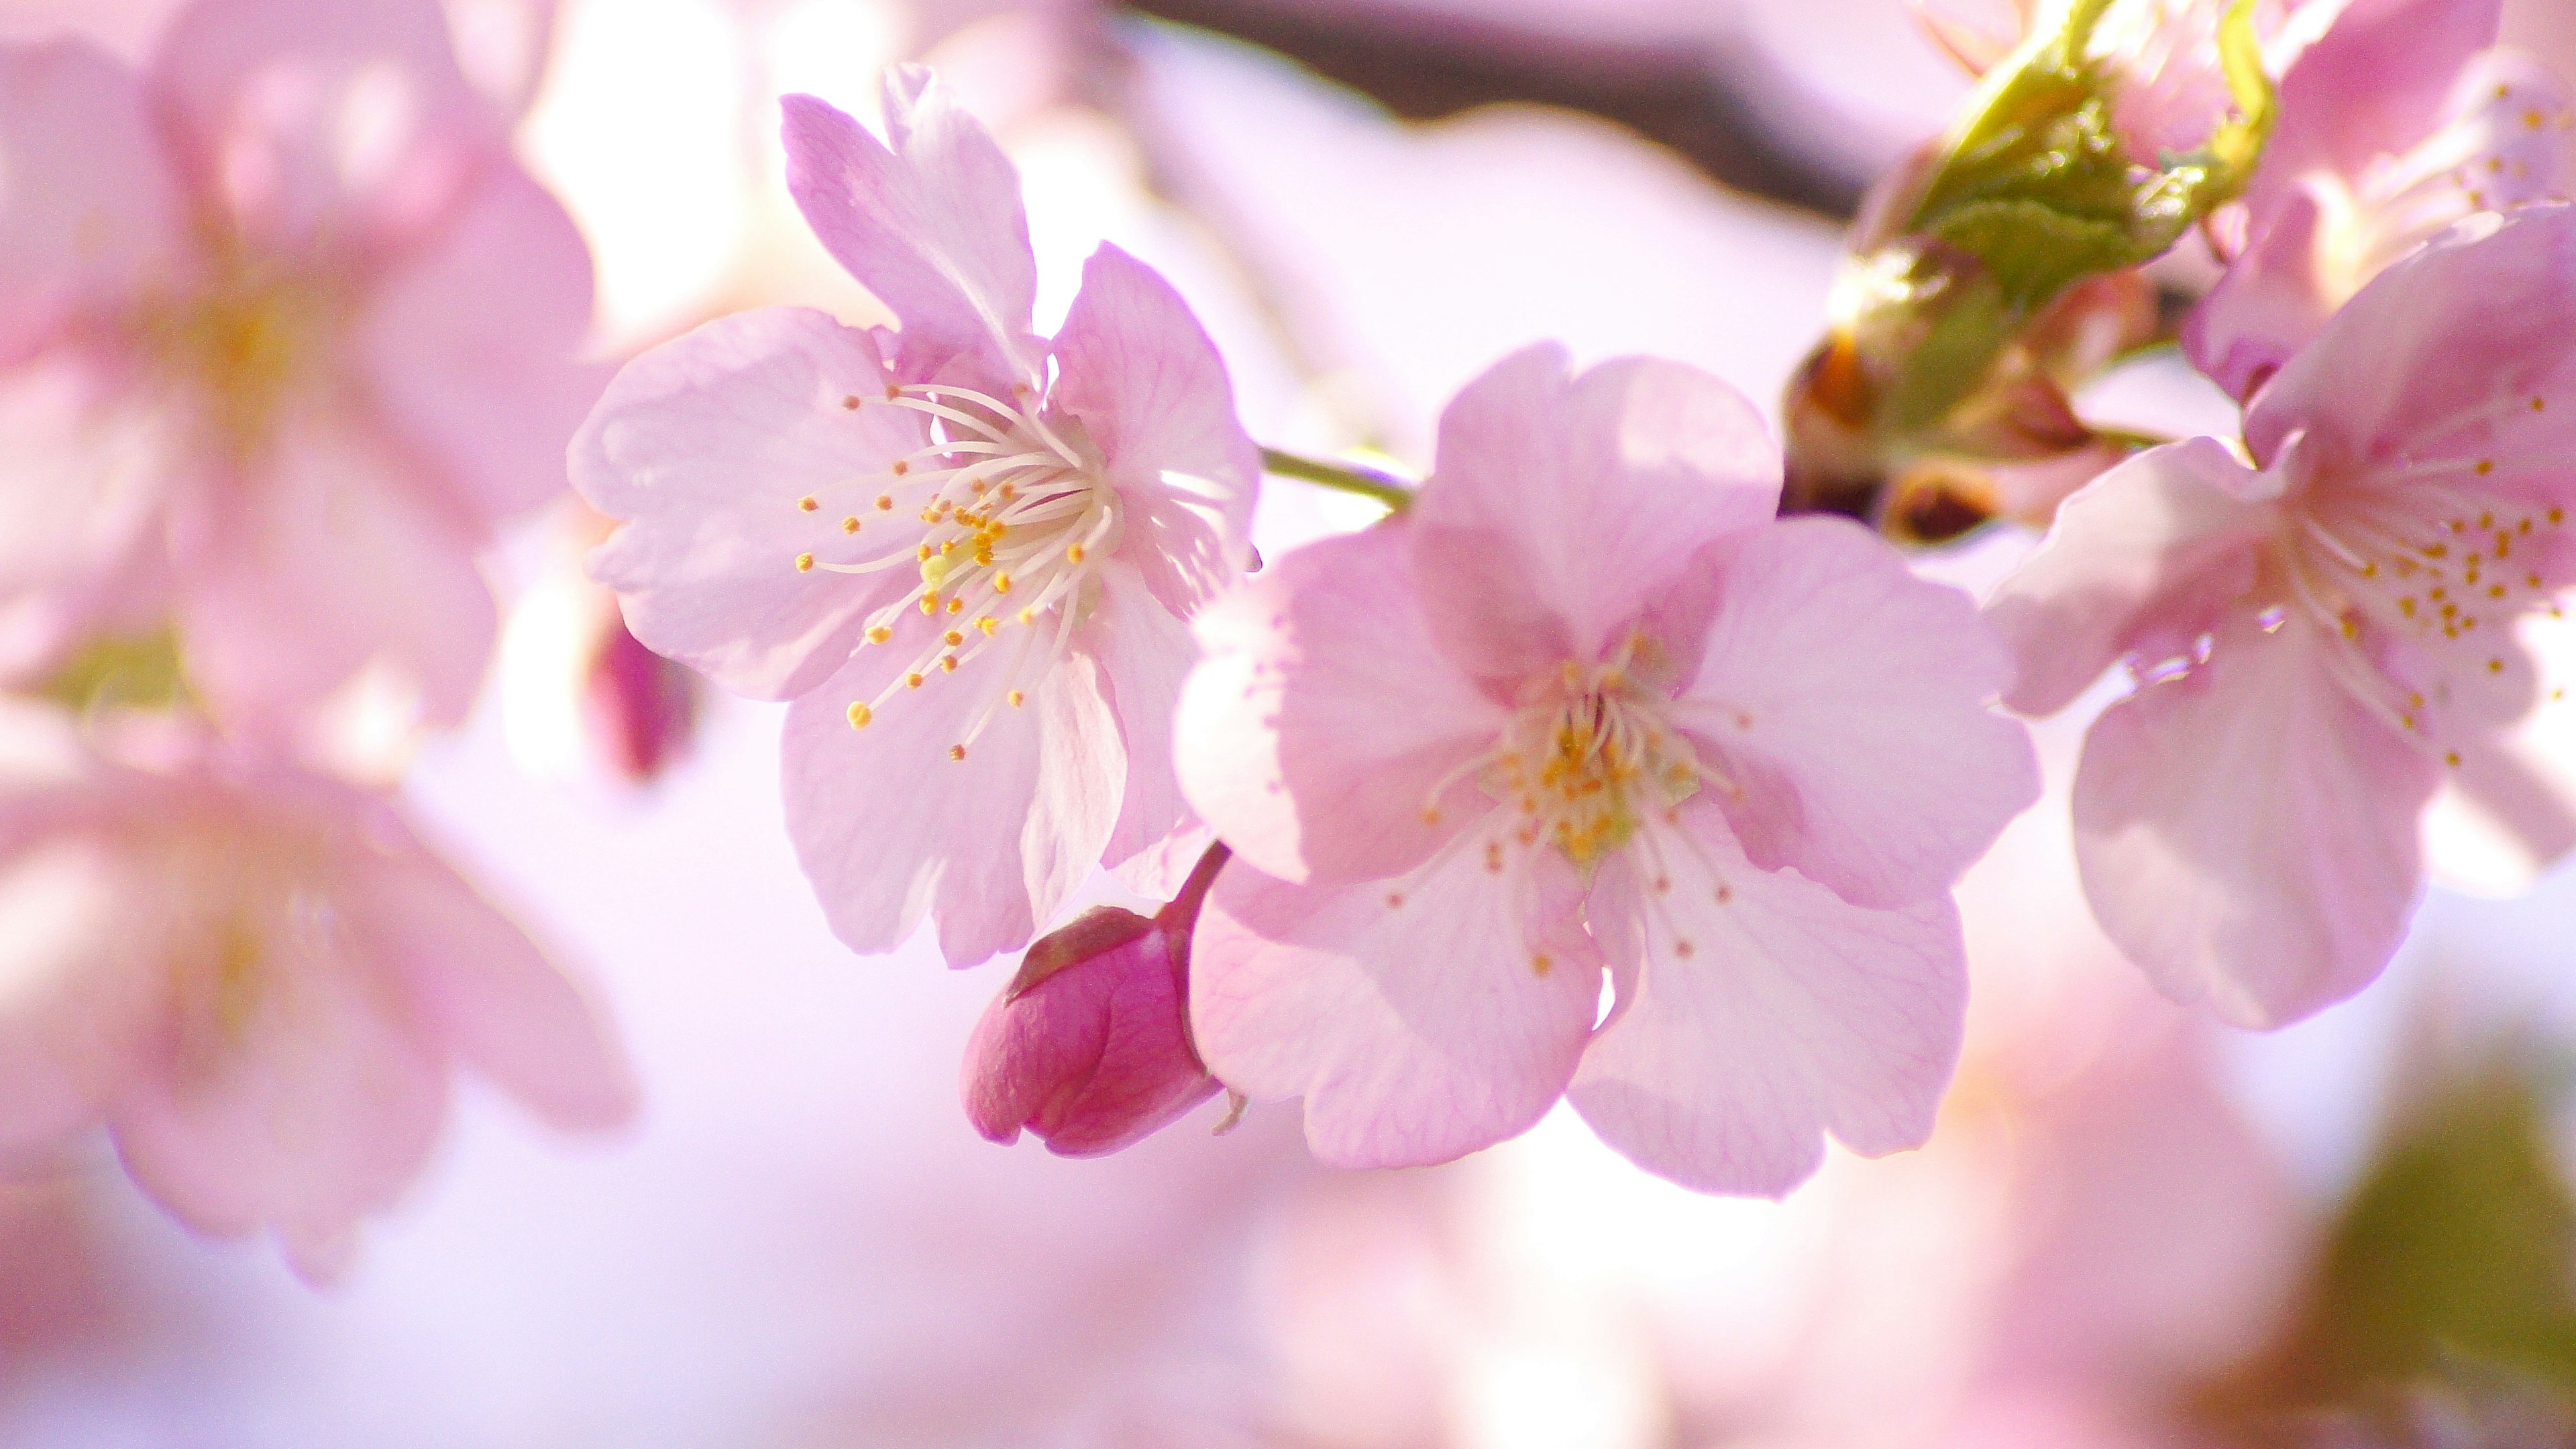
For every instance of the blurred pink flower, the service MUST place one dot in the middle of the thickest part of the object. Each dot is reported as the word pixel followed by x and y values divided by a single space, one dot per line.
pixel 2396 124
pixel 1018 527
pixel 580 695
pixel 260 981
pixel 2318 636
pixel 1089 1047
pixel 1588 680
pixel 284 332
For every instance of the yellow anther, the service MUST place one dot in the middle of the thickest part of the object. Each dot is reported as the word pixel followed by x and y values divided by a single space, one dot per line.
pixel 849 525
pixel 860 714
pixel 807 503
pixel 957 606
pixel 900 467
pixel 953 638
pixel 912 681
pixel 1001 583
pixel 956 752
pixel 804 563
pixel 988 624
pixel 1073 553
pixel 1016 698
pixel 1540 965
pixel 1027 615
pixel 948 664
pixel 852 403
pixel 880 634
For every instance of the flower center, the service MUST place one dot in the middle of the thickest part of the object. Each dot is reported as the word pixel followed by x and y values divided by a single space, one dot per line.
pixel 2439 556
pixel 2497 154
pixel 240 347
pixel 1584 759
pixel 1015 521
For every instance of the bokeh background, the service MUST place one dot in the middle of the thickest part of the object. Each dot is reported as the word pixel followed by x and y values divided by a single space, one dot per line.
pixel 2132 1228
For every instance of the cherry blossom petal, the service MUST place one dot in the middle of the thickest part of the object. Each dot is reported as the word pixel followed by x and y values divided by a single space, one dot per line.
pixel 335 566
pixel 283 1090
pixel 1138 371
pixel 2135 563
pixel 1758 1011
pixel 2444 355
pixel 486 991
pixel 2267 306
pixel 928 219
pixel 2247 833
pixel 89 207
pixel 889 827
pixel 1848 698
pixel 89 465
pixel 708 445
pixel 1421 1017
pixel 471 342
pixel 1596 489
pixel 2373 84
pixel 1144 657
pixel 319 122
pixel 75 992
pixel 1325 724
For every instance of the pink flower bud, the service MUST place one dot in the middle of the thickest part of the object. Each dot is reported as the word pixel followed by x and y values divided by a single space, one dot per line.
pixel 1090 1046
pixel 638 709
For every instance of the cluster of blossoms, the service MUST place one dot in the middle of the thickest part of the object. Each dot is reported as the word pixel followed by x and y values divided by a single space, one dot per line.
pixel 285 335
pixel 1585 707
pixel 1608 768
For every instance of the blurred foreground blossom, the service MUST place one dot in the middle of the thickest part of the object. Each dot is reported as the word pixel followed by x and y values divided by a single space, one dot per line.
pixel 259 980
pixel 2322 637
pixel 1089 1047
pixel 284 333
pixel 1586 706
pixel 2400 121
pixel 580 695
pixel 963 552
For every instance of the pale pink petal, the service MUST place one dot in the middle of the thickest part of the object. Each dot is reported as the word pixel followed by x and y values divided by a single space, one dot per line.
pixel 88 209
pixel 1848 699
pixel 333 565
pixel 322 122
pixel 484 993
pixel 1138 371
pixel 471 344
pixel 890 828
pixel 1325 726
pixel 284 1089
pixel 2134 564
pixel 2247 833
pixel 1093 1058
pixel 928 219
pixel 1144 657
pixel 2373 84
pixel 1421 1017
pixel 1760 1011
pixel 2269 304
pixel 2443 355
pixel 90 462
pixel 76 983
pixel 708 446
pixel 1591 492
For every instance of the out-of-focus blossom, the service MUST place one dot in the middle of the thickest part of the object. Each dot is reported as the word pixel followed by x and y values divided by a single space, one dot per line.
pixel 2396 124
pixel 1089 1046
pixel 2321 637
pixel 965 553
pixel 1586 707
pixel 284 333
pixel 580 695
pixel 259 981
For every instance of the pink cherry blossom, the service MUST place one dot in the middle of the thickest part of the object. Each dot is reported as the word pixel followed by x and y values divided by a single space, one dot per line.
pixel 2323 637
pixel 284 332
pixel 259 981
pixel 2399 121
pixel 1588 707
pixel 965 553
pixel 1089 1047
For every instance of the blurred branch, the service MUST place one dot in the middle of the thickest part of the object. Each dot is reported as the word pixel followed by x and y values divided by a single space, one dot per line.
pixel 1698 101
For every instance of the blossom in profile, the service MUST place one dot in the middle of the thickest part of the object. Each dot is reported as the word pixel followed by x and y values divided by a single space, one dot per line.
pixel 284 333
pixel 2401 120
pixel 1089 1046
pixel 2323 630
pixel 964 553
pixel 1586 707
pixel 259 980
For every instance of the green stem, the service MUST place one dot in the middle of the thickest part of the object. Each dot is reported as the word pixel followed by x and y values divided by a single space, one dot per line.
pixel 1339 476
